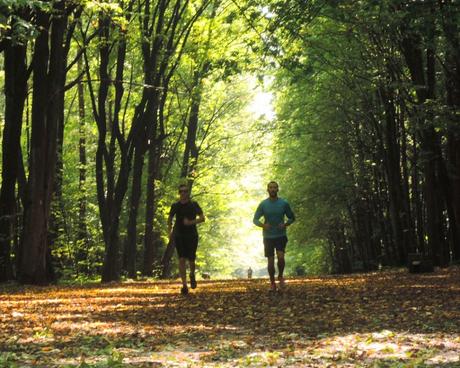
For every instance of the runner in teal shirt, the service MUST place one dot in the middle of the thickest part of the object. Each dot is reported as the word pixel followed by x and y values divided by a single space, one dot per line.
pixel 274 210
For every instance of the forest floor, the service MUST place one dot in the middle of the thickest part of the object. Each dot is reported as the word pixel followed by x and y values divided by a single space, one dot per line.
pixel 385 319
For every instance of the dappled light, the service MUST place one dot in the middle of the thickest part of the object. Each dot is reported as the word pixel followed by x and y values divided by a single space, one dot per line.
pixel 380 318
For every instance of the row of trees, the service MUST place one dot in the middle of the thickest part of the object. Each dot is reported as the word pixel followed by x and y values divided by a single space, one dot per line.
pixel 108 106
pixel 368 106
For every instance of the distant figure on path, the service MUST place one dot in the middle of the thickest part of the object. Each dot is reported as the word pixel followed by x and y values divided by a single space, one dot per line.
pixel 274 210
pixel 249 273
pixel 188 214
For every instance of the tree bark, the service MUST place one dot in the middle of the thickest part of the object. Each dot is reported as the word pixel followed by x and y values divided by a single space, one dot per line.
pixel 48 93
pixel 393 174
pixel 452 75
pixel 150 254
pixel 130 250
pixel 15 95
pixel 82 232
pixel 429 145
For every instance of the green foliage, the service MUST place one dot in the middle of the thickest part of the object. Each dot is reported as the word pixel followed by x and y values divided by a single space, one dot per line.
pixel 225 185
pixel 8 360
pixel 228 136
pixel 309 258
pixel 14 24
pixel 343 71
pixel 332 67
pixel 317 106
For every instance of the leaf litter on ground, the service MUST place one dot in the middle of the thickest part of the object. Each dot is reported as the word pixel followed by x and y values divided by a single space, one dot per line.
pixel 383 319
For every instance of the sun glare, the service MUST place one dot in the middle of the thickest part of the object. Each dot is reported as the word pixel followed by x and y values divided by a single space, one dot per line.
pixel 262 105
pixel 248 238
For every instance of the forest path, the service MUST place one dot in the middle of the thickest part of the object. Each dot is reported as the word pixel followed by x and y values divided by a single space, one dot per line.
pixel 385 319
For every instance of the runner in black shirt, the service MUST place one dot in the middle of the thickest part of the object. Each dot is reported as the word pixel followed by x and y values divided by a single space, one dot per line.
pixel 188 213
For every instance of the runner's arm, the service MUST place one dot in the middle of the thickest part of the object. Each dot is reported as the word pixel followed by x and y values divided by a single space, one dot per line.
pixel 289 214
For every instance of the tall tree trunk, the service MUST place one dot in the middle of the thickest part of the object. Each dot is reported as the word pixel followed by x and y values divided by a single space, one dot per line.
pixel 103 156
pixel 417 200
pixel 408 219
pixel 111 188
pixel 113 143
pixel 15 94
pixel 130 250
pixel 82 232
pixel 429 145
pixel 450 27
pixel 150 254
pixel 393 174
pixel 57 221
pixel 48 92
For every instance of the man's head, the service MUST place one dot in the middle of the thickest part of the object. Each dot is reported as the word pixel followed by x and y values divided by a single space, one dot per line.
pixel 183 192
pixel 272 189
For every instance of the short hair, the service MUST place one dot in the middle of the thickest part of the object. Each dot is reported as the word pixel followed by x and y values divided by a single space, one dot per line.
pixel 273 182
pixel 182 186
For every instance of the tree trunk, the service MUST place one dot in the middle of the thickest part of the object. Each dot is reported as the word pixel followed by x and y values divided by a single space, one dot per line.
pixel 82 232
pixel 111 189
pixel 452 70
pixel 393 174
pixel 150 252
pixel 57 221
pixel 48 92
pixel 15 95
pixel 408 219
pixel 130 250
pixel 429 145
pixel 417 199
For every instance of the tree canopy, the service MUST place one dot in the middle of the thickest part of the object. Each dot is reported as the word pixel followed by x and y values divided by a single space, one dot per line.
pixel 107 106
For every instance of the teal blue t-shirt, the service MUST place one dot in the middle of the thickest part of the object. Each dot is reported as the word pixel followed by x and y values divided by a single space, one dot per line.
pixel 274 213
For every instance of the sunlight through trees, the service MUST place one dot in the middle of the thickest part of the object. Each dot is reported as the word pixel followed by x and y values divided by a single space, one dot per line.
pixel 108 105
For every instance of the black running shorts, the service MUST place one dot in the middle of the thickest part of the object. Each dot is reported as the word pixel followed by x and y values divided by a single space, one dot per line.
pixel 270 244
pixel 186 245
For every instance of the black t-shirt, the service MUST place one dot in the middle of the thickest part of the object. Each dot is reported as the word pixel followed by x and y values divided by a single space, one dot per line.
pixel 185 210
